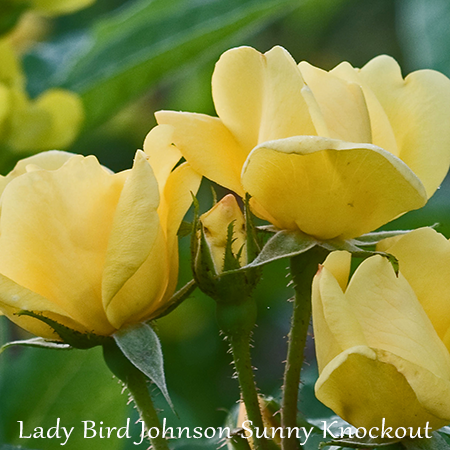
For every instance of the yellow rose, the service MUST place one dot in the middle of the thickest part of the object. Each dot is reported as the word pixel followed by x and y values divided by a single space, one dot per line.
pixel 333 154
pixel 382 341
pixel 52 120
pixel 88 248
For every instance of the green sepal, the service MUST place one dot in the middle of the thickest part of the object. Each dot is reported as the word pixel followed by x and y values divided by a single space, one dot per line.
pixel 74 338
pixel 230 260
pixel 202 263
pixel 436 442
pixel 140 345
pixel 233 285
pixel 37 342
pixel 179 297
pixel 361 443
pixel 287 244
pixel 377 236
pixel 253 241
pixel 284 244
pixel 358 252
pixel 185 229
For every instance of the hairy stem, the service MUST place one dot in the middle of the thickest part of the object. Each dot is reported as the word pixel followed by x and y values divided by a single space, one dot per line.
pixel 303 269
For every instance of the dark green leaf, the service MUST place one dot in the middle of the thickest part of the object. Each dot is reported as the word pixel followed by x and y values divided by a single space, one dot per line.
pixel 10 13
pixel 37 342
pixel 140 344
pixel 437 442
pixel 128 52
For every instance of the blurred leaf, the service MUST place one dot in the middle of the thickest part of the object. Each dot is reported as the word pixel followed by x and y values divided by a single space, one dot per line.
pixel 128 52
pixel 10 13
pixel 13 447
pixel 437 442
pixel 140 344
pixel 39 386
pixel 425 33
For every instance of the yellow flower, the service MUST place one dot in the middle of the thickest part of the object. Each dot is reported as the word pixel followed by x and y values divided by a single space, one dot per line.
pixel 57 7
pixel 335 154
pixel 88 248
pixel 382 341
pixel 52 120
pixel 215 226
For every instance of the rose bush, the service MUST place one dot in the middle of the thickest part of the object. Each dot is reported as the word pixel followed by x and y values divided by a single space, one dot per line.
pixel 382 341
pixel 333 154
pixel 88 248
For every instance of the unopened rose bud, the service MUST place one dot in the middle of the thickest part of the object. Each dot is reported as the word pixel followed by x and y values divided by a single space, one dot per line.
pixel 216 223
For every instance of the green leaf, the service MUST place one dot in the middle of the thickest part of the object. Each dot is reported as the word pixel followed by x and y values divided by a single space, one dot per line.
pixel 39 386
pixel 424 33
pixel 284 244
pixel 37 342
pixel 437 442
pixel 128 52
pixel 13 447
pixel 140 344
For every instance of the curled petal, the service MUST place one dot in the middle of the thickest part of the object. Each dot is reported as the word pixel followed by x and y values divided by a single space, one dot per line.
pixel 330 188
pixel 364 386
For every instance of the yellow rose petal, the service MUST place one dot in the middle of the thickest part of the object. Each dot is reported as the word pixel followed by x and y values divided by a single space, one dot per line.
pixel 208 146
pixel 381 129
pixel 330 188
pixel 258 97
pixel 55 227
pixel 163 155
pixel 424 256
pixel 386 307
pixel 418 110
pixel 341 103
pixel 363 389
pixel 176 200
pixel 135 231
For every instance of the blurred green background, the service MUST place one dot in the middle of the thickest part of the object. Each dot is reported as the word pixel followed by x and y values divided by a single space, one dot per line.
pixel 129 58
